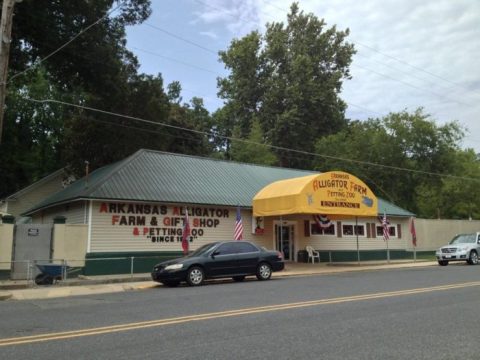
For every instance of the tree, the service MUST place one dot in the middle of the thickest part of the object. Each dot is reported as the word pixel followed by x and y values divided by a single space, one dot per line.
pixel 407 141
pixel 289 79
pixel 34 131
pixel 253 150
pixel 95 69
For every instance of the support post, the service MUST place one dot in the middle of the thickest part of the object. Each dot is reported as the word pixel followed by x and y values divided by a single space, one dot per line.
pixel 5 40
pixel 358 245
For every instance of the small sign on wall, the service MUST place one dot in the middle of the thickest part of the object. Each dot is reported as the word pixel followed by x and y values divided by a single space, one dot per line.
pixel 258 225
pixel 33 232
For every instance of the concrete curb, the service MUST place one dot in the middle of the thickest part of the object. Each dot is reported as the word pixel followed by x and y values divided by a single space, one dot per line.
pixel 112 285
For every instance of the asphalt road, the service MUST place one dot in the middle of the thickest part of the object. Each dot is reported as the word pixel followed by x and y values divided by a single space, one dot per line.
pixel 422 313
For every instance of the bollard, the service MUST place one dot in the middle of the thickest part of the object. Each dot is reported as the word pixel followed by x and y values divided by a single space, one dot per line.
pixel 64 269
pixel 131 266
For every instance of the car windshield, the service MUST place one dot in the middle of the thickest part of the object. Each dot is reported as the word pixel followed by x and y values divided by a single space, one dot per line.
pixel 203 249
pixel 464 239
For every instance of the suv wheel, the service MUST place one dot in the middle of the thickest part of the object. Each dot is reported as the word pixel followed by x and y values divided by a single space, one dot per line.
pixel 442 262
pixel 473 258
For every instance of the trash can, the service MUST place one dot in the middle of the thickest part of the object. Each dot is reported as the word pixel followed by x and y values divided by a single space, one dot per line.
pixel 302 256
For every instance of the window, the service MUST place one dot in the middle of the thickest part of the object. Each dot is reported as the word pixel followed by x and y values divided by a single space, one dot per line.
pixel 315 229
pixel 392 231
pixel 244 247
pixel 226 249
pixel 351 230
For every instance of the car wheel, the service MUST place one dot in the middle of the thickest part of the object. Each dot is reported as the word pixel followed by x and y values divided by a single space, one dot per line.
pixel 442 262
pixel 473 258
pixel 238 278
pixel 264 271
pixel 171 283
pixel 195 276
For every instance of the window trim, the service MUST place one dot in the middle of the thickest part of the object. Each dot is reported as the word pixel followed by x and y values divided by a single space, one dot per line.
pixel 394 226
pixel 334 229
pixel 364 225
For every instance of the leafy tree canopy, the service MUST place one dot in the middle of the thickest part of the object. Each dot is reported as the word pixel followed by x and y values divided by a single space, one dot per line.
pixel 95 70
pixel 289 79
pixel 408 141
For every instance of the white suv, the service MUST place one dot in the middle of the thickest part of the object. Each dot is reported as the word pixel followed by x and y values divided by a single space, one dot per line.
pixel 463 247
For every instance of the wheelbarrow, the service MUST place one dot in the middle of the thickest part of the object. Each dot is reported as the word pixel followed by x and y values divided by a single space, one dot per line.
pixel 50 273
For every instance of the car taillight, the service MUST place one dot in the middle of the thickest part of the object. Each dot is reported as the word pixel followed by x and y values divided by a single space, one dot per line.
pixel 280 255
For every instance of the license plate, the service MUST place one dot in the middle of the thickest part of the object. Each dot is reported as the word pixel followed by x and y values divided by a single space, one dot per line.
pixel 448 256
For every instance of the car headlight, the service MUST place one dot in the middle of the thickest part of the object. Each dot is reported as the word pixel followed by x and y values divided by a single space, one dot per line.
pixel 174 267
pixel 462 248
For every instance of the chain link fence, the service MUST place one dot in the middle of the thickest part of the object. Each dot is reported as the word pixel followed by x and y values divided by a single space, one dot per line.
pixel 49 271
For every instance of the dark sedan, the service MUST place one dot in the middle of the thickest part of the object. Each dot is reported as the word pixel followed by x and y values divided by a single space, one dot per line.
pixel 235 259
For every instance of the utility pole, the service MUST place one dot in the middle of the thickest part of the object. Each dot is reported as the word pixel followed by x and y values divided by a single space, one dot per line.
pixel 5 40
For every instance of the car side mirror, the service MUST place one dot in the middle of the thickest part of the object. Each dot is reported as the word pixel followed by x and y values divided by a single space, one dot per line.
pixel 215 253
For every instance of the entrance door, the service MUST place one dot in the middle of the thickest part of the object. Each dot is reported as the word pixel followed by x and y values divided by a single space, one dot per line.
pixel 284 240
pixel 32 242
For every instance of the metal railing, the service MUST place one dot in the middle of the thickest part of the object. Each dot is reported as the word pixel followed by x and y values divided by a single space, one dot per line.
pixel 25 271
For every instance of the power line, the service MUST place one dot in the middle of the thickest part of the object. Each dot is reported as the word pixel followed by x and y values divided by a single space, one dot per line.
pixel 410 85
pixel 415 67
pixel 181 38
pixel 391 57
pixel 373 71
pixel 44 101
pixel 37 63
pixel 176 60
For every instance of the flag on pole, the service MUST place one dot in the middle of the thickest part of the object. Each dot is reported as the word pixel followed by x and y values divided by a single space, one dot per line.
pixel 385 223
pixel 185 233
pixel 238 233
pixel 413 232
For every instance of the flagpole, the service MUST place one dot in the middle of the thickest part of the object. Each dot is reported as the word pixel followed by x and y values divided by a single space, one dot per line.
pixel 358 246
pixel 388 251
pixel 386 236
pixel 281 236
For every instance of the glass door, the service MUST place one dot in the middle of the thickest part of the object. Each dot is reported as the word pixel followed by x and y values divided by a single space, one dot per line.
pixel 284 241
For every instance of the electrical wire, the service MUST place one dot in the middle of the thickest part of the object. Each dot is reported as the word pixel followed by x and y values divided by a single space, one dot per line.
pixel 390 56
pixel 44 101
pixel 37 63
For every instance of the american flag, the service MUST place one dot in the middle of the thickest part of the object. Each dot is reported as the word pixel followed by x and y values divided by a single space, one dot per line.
pixel 238 233
pixel 185 233
pixel 386 234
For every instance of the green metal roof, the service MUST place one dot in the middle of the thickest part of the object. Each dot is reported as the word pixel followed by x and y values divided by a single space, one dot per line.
pixel 156 176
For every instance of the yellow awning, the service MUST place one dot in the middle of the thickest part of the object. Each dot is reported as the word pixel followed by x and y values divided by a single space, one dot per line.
pixel 330 193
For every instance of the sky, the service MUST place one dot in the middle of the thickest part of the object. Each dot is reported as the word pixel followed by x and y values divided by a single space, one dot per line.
pixel 410 53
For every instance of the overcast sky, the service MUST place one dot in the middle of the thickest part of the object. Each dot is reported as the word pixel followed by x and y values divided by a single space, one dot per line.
pixel 410 53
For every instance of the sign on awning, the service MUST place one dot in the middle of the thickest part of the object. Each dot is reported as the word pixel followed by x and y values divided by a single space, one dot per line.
pixel 334 192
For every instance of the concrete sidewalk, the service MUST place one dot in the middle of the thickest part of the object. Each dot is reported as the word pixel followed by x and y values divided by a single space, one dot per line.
pixel 21 290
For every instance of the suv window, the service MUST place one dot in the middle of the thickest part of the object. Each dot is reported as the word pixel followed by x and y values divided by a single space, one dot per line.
pixel 463 239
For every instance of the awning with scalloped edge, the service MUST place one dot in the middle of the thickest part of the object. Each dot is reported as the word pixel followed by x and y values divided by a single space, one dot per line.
pixel 330 193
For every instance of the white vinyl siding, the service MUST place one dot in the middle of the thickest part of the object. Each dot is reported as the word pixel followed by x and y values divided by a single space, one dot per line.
pixel 73 212
pixel 30 197
pixel 372 242
pixel 109 237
